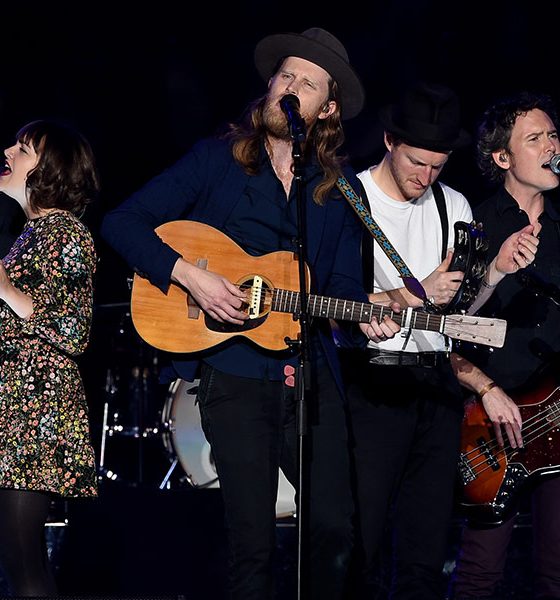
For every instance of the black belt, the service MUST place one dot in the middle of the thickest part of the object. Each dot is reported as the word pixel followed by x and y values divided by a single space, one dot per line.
pixel 407 359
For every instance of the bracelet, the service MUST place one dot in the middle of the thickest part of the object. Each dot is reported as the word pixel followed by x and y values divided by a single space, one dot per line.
pixel 488 285
pixel 487 388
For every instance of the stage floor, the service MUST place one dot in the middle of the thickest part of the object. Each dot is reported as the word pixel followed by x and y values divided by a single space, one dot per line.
pixel 143 542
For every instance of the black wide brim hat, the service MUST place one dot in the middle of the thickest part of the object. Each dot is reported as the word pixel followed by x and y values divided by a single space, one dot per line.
pixel 427 116
pixel 321 48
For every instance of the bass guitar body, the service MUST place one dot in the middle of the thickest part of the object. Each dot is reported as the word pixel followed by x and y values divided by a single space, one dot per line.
pixel 492 477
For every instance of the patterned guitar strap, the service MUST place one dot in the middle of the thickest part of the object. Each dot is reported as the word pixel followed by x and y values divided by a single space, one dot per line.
pixel 410 282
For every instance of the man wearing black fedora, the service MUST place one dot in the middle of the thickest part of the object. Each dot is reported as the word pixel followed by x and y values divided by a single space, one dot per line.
pixel 405 402
pixel 243 185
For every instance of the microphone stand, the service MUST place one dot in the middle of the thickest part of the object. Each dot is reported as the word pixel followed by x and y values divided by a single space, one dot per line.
pixel 303 370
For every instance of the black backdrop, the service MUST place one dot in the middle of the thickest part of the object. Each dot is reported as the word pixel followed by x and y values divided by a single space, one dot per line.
pixel 144 83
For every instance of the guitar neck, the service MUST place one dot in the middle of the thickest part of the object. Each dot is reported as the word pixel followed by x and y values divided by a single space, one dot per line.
pixel 288 301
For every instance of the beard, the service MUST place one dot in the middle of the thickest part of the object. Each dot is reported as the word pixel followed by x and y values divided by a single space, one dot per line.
pixel 275 121
pixel 405 187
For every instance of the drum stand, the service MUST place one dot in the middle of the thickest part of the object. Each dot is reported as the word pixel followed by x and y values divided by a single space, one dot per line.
pixel 110 390
pixel 165 483
pixel 113 427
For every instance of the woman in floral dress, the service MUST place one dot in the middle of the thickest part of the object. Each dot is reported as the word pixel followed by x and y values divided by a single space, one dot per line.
pixel 45 316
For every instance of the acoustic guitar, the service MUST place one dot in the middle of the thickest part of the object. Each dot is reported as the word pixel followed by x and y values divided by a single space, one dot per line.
pixel 173 322
pixel 490 476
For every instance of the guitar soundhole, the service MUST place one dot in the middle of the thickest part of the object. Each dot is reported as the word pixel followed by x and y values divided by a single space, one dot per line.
pixel 258 306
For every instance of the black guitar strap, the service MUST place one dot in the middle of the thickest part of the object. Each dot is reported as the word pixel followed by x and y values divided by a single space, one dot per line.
pixel 442 210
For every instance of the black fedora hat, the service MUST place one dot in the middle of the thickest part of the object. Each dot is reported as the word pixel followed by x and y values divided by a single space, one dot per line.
pixel 427 116
pixel 322 48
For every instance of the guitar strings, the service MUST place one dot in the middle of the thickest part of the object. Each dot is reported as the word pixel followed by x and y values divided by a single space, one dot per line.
pixel 289 300
pixel 552 411
pixel 543 426
pixel 536 433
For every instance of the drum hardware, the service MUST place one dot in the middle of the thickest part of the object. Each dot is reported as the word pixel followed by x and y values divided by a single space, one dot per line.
pixel 106 429
pixel 129 424
pixel 131 402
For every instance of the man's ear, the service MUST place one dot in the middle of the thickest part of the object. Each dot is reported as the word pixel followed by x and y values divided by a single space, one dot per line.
pixel 501 158
pixel 327 109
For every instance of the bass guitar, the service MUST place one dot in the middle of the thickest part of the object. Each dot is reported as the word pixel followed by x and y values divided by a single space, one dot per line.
pixel 173 322
pixel 491 476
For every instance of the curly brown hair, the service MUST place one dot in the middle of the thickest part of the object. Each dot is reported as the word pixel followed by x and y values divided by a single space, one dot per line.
pixel 496 125
pixel 66 175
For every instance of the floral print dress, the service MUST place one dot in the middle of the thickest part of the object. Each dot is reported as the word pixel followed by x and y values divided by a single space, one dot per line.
pixel 44 429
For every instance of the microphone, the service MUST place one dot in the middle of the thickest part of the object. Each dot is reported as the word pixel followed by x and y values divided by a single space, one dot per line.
pixel 290 106
pixel 555 164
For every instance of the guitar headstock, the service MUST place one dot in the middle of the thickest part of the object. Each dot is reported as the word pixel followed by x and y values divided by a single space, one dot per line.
pixel 478 330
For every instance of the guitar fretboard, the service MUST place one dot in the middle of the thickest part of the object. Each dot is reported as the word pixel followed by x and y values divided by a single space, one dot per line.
pixel 350 310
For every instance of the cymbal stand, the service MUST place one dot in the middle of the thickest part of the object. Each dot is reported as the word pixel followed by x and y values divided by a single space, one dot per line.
pixel 110 392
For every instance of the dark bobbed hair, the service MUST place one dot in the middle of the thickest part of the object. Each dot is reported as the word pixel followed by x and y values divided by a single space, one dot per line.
pixel 66 175
pixel 496 125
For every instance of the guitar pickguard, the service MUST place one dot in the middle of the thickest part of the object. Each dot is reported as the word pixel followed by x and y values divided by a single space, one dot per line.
pixel 496 511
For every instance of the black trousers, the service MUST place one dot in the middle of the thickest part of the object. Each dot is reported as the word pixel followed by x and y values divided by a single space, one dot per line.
pixel 251 427
pixel 405 436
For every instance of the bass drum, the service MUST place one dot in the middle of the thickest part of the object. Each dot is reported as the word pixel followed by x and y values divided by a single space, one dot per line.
pixel 184 439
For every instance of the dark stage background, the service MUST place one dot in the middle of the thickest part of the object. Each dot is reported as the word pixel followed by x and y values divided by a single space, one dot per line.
pixel 144 83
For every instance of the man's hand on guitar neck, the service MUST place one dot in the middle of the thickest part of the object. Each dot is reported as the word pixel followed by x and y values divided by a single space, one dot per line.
pixel 216 295
pixel 380 331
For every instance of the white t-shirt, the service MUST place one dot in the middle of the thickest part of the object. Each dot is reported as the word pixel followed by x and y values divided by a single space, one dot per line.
pixel 414 229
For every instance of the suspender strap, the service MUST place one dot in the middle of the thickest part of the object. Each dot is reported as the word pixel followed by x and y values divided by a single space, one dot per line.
pixel 442 210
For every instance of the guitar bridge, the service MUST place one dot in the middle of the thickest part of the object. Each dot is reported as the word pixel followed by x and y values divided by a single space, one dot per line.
pixel 466 470
pixel 254 309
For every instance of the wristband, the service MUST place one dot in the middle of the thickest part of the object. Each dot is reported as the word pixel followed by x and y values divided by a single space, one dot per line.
pixel 487 388
pixel 488 285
